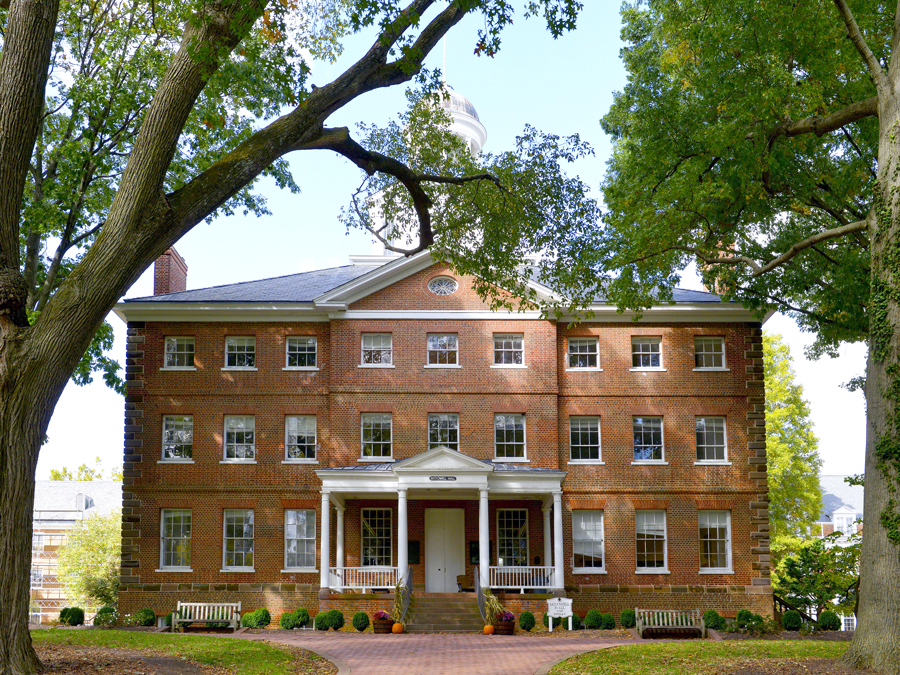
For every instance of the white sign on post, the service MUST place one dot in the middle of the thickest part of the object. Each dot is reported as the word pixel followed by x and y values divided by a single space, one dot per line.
pixel 559 608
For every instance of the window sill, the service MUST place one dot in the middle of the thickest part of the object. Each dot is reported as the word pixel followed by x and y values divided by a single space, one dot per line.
pixel 442 365
pixel 307 368
pixel 714 462
pixel 657 570
pixel 584 370
pixel 510 460
pixel 237 461
pixel 648 370
pixel 375 459
pixel 511 366
pixel 300 570
pixel 716 571
pixel 174 461
pixel 299 461
pixel 251 370
pixel 375 365
pixel 237 569
pixel 588 570
pixel 650 462
pixel 712 370
pixel 587 462
pixel 174 569
pixel 177 368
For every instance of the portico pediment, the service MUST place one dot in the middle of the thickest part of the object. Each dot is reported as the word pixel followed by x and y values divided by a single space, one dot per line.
pixel 442 460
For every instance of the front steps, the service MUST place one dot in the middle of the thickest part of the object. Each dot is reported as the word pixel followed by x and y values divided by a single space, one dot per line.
pixel 443 613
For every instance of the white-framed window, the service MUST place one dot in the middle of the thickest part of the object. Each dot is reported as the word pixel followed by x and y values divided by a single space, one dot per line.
pixel 709 353
pixel 301 352
pixel 587 541
pixel 237 540
pixel 37 578
pixel 650 540
pixel 584 354
pixel 376 435
pixel 37 544
pixel 299 437
pixel 240 437
pixel 584 439
pixel 240 352
pixel 377 349
pixel 648 439
pixel 175 539
pixel 443 429
pixel 443 350
pixel 179 352
pixel 443 286
pixel 849 622
pixel 509 436
pixel 178 437
pixel 512 537
pixel 509 350
pixel 712 445
pixel 299 539
pixel 377 531
pixel 715 541
pixel 646 352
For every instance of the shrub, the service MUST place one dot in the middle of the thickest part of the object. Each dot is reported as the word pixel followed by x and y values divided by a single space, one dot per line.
pixel 72 616
pixel 577 623
pixel 334 619
pixel 145 617
pixel 627 618
pixel 791 620
pixel 169 619
pixel 593 618
pixel 321 621
pixel 713 620
pixel 105 616
pixel 828 620
pixel 263 617
pixel 295 619
pixel 607 621
pixel 743 617
pixel 360 621
pixel 249 620
pixel 526 621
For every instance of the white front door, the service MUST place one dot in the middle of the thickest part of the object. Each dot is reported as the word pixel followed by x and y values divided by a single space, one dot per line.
pixel 445 533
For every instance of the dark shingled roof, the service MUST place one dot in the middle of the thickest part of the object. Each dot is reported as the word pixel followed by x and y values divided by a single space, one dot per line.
pixel 307 286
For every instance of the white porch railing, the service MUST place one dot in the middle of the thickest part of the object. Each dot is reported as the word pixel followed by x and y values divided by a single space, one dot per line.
pixel 358 578
pixel 531 576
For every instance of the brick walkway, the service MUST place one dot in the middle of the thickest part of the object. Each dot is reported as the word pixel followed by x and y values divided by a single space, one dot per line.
pixel 438 654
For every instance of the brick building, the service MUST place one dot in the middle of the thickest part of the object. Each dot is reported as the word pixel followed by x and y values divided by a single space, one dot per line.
pixel 309 440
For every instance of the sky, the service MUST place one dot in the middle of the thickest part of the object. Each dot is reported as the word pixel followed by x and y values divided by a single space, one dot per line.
pixel 559 86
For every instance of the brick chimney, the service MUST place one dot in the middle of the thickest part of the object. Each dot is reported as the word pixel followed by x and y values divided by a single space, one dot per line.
pixel 169 273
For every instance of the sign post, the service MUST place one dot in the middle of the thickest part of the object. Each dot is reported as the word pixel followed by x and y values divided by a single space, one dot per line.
pixel 559 608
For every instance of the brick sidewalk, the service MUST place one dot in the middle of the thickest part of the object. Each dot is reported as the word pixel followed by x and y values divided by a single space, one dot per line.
pixel 438 654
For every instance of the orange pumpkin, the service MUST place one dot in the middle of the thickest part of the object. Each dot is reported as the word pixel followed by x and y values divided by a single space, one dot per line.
pixel 488 630
pixel 397 628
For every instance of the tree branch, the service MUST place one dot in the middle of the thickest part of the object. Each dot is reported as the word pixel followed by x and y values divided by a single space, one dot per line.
pixel 811 241
pixel 823 124
pixel 853 32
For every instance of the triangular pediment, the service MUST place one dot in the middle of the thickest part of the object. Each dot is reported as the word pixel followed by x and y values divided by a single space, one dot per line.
pixel 442 459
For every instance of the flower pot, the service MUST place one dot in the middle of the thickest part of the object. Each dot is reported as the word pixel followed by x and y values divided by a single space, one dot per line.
pixel 382 625
pixel 504 627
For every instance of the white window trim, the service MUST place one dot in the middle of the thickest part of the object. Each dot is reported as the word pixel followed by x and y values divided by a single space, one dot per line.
pixel 599 459
pixel 712 462
pixel 662 438
pixel 654 570
pixel 301 460
pixel 390 510
pixel 301 368
pixel 590 570
pixel 174 461
pixel 661 368
pixel 362 351
pixel 437 351
pixel 178 368
pixel 522 365
pixel 712 370
pixel 162 447
pixel 287 339
pixel 509 460
pixel 236 460
pixel 428 430
pixel 295 570
pixel 162 565
pixel 649 462
pixel 224 530
pixel 442 366
pixel 590 369
pixel 527 534
pixel 255 354
pixel 724 367
pixel 362 457
pixel 729 556
pixel 721 462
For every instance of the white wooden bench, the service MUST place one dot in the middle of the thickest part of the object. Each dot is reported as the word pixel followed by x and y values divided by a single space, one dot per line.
pixel 670 621
pixel 220 612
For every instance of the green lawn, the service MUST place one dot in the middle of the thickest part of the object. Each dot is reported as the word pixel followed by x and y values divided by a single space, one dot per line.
pixel 690 657
pixel 243 657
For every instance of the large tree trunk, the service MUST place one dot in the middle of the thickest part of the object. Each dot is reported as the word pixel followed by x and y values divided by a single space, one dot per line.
pixel 876 643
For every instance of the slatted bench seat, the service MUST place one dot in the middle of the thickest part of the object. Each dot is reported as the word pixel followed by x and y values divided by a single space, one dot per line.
pixel 669 622
pixel 202 612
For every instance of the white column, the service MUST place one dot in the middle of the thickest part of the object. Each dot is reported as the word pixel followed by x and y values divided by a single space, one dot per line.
pixel 548 540
pixel 558 541
pixel 484 534
pixel 402 534
pixel 339 546
pixel 325 557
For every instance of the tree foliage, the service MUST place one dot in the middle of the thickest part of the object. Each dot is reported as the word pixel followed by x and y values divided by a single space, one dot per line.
pixel 821 574
pixel 90 559
pixel 86 473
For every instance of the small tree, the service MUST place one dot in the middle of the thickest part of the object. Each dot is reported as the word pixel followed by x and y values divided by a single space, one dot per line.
pixel 819 574
pixel 90 559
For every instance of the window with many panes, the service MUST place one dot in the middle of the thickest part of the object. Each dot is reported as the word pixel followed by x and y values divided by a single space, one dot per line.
pixel 175 539
pixel 179 352
pixel 509 350
pixel 301 352
pixel 711 444
pixel 37 544
pixel 240 437
pixel 646 352
pixel 509 436
pixel 650 539
pixel 238 539
pixel 512 537
pixel 648 439
pixel 37 577
pixel 587 540
pixel 377 349
pixel 240 352
pixel 299 538
pixel 376 435
pixel 443 429
pixel 583 353
pixel 584 438
pixel 709 353
pixel 299 437
pixel 443 350
pixel 178 437
pixel 376 538
pixel 715 540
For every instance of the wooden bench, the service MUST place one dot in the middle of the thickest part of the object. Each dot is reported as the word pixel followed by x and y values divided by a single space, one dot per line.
pixel 669 622
pixel 219 612
pixel 464 585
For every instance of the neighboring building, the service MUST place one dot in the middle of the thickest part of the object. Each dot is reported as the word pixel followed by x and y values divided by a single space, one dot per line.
pixel 58 506
pixel 304 440
pixel 842 509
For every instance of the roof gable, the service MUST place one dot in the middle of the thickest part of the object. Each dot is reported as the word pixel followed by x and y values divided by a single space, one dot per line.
pixel 442 459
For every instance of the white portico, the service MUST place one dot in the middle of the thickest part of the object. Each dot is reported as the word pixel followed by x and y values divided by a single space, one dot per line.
pixel 436 482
